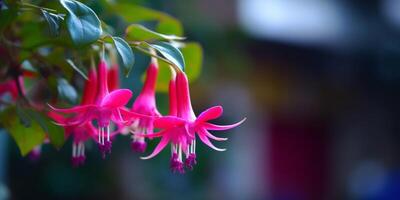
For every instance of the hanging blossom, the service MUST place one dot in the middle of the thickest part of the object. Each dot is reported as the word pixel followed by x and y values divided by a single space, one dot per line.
pixel 144 104
pixel 107 107
pixel 181 127
pixel 80 132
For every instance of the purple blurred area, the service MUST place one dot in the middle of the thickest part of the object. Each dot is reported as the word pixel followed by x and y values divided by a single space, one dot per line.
pixel 318 82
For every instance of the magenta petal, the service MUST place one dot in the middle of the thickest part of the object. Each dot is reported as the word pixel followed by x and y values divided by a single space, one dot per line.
pixel 116 117
pixel 209 114
pixel 81 119
pixel 126 114
pixel 76 109
pixel 116 98
pixel 208 134
pixel 215 127
pixel 164 141
pixel 190 131
pixel 61 124
pixel 56 117
pixel 168 122
pixel 205 140
pixel 77 120
pixel 92 131
pixel 153 135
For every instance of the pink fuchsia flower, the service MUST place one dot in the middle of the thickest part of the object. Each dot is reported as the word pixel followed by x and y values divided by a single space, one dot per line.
pixel 144 104
pixel 181 130
pixel 80 133
pixel 107 107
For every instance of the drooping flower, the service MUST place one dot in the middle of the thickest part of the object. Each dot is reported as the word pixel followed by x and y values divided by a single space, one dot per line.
pixel 107 107
pixel 181 130
pixel 81 132
pixel 144 104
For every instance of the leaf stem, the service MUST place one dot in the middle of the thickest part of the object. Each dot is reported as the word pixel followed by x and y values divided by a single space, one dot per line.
pixel 35 6
pixel 136 46
pixel 103 51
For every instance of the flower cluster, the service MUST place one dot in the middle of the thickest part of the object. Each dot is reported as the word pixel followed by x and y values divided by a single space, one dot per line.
pixel 35 115
pixel 102 114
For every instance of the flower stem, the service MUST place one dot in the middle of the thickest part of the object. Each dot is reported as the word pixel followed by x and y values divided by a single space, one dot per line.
pixel 177 69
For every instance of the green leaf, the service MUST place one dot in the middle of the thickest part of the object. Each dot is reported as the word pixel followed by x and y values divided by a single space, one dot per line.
pixel 33 35
pixel 163 78
pixel 171 53
pixel 66 91
pixel 136 32
pixel 193 54
pixel 125 54
pixel 134 13
pixel 72 64
pixel 7 16
pixel 24 118
pixel 55 133
pixel 53 20
pixel 82 22
pixel 170 26
pixel 26 138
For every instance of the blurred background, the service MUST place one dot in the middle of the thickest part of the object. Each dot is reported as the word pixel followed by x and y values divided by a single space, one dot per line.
pixel 317 81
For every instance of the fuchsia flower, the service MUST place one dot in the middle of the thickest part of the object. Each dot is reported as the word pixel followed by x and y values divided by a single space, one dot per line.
pixel 82 132
pixel 107 107
pixel 182 126
pixel 144 104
